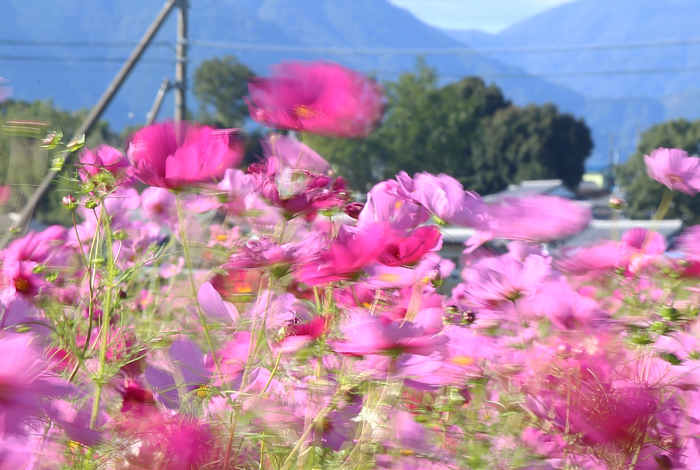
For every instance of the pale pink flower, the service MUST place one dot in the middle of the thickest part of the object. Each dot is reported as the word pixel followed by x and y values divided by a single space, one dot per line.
pixel 538 218
pixel 674 169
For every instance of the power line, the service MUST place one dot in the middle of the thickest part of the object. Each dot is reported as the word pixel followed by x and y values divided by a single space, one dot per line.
pixel 439 51
pixel 20 42
pixel 449 75
pixel 370 50
pixel 21 58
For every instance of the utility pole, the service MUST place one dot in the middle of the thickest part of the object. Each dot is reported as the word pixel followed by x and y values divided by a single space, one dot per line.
pixel 101 105
pixel 181 62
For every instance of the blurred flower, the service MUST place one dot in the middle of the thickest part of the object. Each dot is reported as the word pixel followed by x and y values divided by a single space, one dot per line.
pixel 538 218
pixel 168 157
pixel 104 158
pixel 318 97
pixel 674 169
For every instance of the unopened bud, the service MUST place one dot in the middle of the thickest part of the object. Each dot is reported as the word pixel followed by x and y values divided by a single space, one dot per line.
pixel 69 203
pixel 91 203
pixel 353 209
pixel 616 203
pixel 120 234
pixel 76 144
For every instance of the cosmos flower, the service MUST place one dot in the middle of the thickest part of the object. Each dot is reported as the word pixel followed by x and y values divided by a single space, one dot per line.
pixel 317 97
pixel 171 157
pixel 674 169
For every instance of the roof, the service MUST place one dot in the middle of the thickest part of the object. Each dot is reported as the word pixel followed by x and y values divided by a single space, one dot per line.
pixel 604 229
pixel 532 188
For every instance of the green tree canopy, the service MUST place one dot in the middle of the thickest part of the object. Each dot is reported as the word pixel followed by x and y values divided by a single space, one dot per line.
pixel 465 129
pixel 219 86
pixel 535 142
pixel 643 193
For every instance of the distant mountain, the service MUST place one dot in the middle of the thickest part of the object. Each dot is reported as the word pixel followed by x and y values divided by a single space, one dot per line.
pixel 627 89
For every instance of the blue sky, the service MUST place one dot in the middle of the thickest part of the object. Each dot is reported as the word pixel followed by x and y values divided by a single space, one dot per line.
pixel 490 16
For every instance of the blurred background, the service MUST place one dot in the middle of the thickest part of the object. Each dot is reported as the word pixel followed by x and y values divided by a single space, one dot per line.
pixel 532 96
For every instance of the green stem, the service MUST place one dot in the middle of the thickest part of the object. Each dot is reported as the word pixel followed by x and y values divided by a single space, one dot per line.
pixel 188 260
pixel 106 313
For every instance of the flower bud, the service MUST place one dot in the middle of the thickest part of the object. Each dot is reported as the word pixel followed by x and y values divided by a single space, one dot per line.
pixel 69 203
pixel 91 203
pixel 120 234
pixel 353 209
pixel 616 203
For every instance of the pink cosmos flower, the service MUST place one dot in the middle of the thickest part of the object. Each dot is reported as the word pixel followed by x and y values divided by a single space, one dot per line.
pixel 159 206
pixel 384 205
pixel 168 157
pixel 639 247
pixel 538 218
pixel 445 198
pixel 5 193
pixel 408 250
pixel 294 154
pixel 591 261
pixel 495 282
pixel 365 334
pixel 344 259
pixel 24 383
pixel 674 169
pixel 104 158
pixel 318 97
pixel 235 185
pixel 689 242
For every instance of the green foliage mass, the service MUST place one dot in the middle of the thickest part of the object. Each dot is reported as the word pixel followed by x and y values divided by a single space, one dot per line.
pixel 23 163
pixel 643 193
pixel 219 85
pixel 465 129
pixel 535 142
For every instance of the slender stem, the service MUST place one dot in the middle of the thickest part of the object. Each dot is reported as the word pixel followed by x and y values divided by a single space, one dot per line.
pixel 106 315
pixel 188 260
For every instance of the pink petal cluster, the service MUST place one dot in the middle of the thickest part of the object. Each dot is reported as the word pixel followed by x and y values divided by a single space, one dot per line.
pixel 318 97
pixel 674 169
pixel 173 157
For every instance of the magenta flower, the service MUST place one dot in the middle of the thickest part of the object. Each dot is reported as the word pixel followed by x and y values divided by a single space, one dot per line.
pixel 538 218
pixel 159 206
pixel 689 242
pixel 674 169
pixel 294 154
pixel 344 259
pixel 495 282
pixel 171 158
pixel 235 185
pixel 384 205
pixel 24 383
pixel 318 97
pixel 5 193
pixel 365 334
pixel 408 250
pixel 445 198
pixel 104 158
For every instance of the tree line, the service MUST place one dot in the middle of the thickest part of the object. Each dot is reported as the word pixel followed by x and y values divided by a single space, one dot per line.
pixel 467 129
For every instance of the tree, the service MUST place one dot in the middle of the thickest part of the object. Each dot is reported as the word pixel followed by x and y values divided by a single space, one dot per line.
pixel 219 86
pixel 465 129
pixel 535 142
pixel 643 193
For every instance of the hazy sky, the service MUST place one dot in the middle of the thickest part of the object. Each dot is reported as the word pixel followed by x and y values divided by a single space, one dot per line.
pixel 487 15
